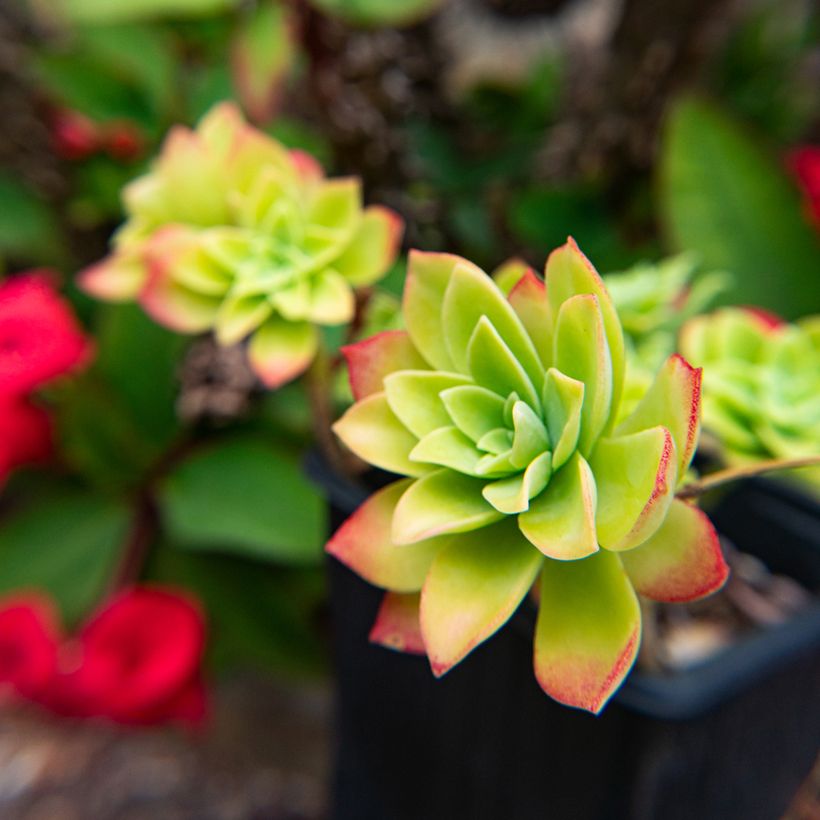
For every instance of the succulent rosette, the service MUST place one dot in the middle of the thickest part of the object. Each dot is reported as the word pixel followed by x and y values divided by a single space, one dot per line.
pixel 232 232
pixel 761 389
pixel 502 414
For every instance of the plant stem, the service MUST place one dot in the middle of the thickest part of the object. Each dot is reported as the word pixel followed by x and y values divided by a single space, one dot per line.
pixel 709 482
pixel 318 381
pixel 141 536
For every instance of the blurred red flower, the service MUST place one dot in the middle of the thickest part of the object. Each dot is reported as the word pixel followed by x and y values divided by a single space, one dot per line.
pixel 138 661
pixel 40 339
pixel 805 164
pixel 29 639
pixel 75 136
pixel 25 433
pixel 123 140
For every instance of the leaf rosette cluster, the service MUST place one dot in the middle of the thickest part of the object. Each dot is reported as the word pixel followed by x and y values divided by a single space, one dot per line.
pixel 761 388
pixel 232 232
pixel 502 414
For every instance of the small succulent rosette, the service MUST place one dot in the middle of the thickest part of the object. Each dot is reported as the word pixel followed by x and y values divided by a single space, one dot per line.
pixel 232 232
pixel 761 389
pixel 501 411
pixel 653 300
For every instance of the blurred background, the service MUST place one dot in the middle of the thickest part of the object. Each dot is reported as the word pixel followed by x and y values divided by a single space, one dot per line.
pixel 495 128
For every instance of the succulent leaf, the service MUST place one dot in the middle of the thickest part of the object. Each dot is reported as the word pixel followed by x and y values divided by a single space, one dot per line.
pixel 397 623
pixel 475 584
pixel 560 522
pixel 588 630
pixel 682 561
pixel 370 360
pixel 635 476
pixel 364 544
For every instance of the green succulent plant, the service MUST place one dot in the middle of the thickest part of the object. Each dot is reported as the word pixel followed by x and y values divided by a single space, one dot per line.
pixel 502 414
pixel 232 232
pixel 761 389
pixel 653 300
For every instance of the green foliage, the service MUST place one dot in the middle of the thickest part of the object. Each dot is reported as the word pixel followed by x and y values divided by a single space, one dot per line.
pixel 244 496
pixel 140 361
pixel 28 230
pixel 65 543
pixel 543 217
pixel 127 11
pixel 725 197
pixel 258 616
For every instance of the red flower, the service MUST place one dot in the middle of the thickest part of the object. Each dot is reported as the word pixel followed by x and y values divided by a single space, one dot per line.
pixel 139 661
pixel 39 337
pixel 75 136
pixel 25 433
pixel 29 638
pixel 123 140
pixel 805 164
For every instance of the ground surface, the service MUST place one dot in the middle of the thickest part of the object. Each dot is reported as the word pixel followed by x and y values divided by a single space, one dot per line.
pixel 264 756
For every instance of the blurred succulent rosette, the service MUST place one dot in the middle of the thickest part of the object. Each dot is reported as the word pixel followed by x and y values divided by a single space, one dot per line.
pixel 232 232
pixel 761 386
pixel 502 413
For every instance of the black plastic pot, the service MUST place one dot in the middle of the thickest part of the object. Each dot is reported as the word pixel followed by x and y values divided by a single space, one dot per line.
pixel 731 738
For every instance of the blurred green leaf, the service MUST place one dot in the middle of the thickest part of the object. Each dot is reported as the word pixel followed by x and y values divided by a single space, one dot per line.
pixel 262 52
pixel 248 496
pixel 543 218
pixel 725 197
pixel 139 360
pixel 98 436
pixel 29 234
pixel 124 11
pixel 258 615
pixel 67 544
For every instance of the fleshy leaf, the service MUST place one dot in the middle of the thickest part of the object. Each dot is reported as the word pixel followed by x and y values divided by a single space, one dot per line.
pixel 512 495
pixel 439 503
pixel 166 301
pixel 581 352
pixel 588 630
pixel 475 584
pixel 372 431
pixel 331 299
pixel 397 624
pixel 373 247
pixel 496 441
pixel 508 274
pixel 118 278
pixel 563 402
pixel 474 410
pixel 413 396
pixel 673 400
pixel 470 296
pixel 569 272
pixel 427 278
pixel 447 447
pixel 493 365
pixel 529 300
pixel 280 351
pixel 237 317
pixel 635 476
pixel 682 561
pixel 561 520
pixel 369 361
pixel 364 544
pixel 530 436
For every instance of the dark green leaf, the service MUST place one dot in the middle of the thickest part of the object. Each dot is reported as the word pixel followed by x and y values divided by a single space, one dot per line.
pixel 248 496
pixel 258 615
pixel 724 196
pixel 66 544
pixel 28 231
